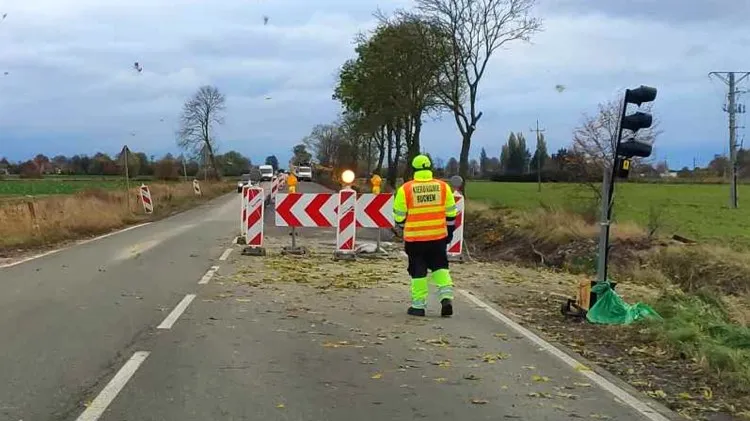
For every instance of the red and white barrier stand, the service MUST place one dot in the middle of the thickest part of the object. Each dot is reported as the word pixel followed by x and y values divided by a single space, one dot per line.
pixel 254 222
pixel 148 204
pixel 456 247
pixel 275 188
pixel 243 214
pixel 296 210
pixel 346 229
pixel 375 210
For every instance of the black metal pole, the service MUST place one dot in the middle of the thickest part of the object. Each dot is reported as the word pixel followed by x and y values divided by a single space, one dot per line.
pixel 611 189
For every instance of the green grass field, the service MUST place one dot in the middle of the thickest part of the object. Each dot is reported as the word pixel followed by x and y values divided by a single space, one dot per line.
pixel 696 211
pixel 51 186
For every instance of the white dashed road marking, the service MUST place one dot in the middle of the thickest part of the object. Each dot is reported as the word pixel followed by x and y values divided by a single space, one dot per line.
pixel 110 391
pixel 177 312
pixel 225 255
pixel 210 274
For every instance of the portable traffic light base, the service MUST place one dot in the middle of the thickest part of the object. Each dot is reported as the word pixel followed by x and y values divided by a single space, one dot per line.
pixel 585 299
pixel 254 251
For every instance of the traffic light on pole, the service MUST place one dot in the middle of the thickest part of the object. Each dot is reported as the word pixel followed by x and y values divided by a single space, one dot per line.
pixel 634 122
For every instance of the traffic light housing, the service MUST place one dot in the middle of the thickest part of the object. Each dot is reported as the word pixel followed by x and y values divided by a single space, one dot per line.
pixel 634 122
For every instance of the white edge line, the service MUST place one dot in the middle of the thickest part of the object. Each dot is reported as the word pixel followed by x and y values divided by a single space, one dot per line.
pixel 605 384
pixel 113 388
pixel 176 312
pixel 225 255
pixel 78 243
pixel 207 277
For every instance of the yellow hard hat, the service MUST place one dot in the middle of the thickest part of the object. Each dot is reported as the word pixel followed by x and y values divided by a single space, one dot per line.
pixel 421 162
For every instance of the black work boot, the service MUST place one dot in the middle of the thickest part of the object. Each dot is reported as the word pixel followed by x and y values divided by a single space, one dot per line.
pixel 415 312
pixel 446 309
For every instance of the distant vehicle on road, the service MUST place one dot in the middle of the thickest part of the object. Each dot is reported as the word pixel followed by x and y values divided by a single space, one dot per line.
pixel 304 173
pixel 244 181
pixel 266 173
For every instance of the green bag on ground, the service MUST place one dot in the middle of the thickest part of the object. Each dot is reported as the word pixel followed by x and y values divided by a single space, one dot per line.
pixel 610 308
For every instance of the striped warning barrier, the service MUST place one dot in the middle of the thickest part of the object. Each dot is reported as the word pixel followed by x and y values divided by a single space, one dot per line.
pixel 243 208
pixel 254 217
pixel 306 210
pixel 375 210
pixel 456 247
pixel 346 229
pixel 148 204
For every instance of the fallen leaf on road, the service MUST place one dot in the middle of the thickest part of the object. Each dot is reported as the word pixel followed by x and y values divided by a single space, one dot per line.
pixel 377 376
pixel 244 300
pixel 567 395
pixel 529 367
pixel 582 384
pixel 656 393
pixel 281 405
pixel 581 367
pixel 472 377
pixel 502 336
pixel 684 395
pixel 539 395
pixel 479 401
pixel 600 416
pixel 538 378
pixel 441 380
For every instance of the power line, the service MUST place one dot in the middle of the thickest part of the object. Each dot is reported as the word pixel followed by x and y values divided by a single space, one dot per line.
pixel 732 108
pixel 538 158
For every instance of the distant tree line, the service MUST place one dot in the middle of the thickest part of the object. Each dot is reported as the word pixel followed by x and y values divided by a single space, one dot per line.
pixel 167 167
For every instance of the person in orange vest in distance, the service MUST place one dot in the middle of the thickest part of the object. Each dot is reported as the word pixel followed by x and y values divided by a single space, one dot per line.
pixel 426 211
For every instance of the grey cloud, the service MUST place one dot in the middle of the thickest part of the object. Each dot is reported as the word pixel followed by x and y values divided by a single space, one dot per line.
pixel 675 11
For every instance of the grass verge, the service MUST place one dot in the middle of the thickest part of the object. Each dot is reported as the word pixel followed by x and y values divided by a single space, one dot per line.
pixel 701 290
pixel 34 222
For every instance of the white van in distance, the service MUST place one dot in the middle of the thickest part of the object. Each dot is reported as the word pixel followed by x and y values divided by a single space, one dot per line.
pixel 266 173
pixel 304 174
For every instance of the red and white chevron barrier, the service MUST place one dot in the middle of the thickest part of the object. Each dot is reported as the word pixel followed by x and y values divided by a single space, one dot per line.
pixel 254 217
pixel 346 229
pixel 456 247
pixel 375 210
pixel 306 210
pixel 243 208
pixel 148 204
pixel 275 187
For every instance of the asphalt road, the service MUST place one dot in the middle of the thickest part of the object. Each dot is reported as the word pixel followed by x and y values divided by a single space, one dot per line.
pixel 75 325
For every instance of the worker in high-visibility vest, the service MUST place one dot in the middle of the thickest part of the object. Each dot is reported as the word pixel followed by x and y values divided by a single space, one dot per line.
pixel 426 211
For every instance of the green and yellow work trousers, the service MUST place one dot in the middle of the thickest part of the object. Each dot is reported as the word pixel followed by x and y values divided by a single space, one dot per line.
pixel 429 256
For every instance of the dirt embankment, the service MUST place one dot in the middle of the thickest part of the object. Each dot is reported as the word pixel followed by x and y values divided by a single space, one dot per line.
pixel 696 361
pixel 28 222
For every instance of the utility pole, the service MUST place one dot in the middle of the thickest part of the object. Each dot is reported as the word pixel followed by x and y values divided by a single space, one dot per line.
pixel 124 154
pixel 732 79
pixel 538 158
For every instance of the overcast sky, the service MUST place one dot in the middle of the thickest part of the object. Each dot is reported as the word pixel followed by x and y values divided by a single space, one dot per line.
pixel 70 87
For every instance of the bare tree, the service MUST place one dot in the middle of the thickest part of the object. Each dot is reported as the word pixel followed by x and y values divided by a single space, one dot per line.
pixel 596 137
pixel 477 28
pixel 199 115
